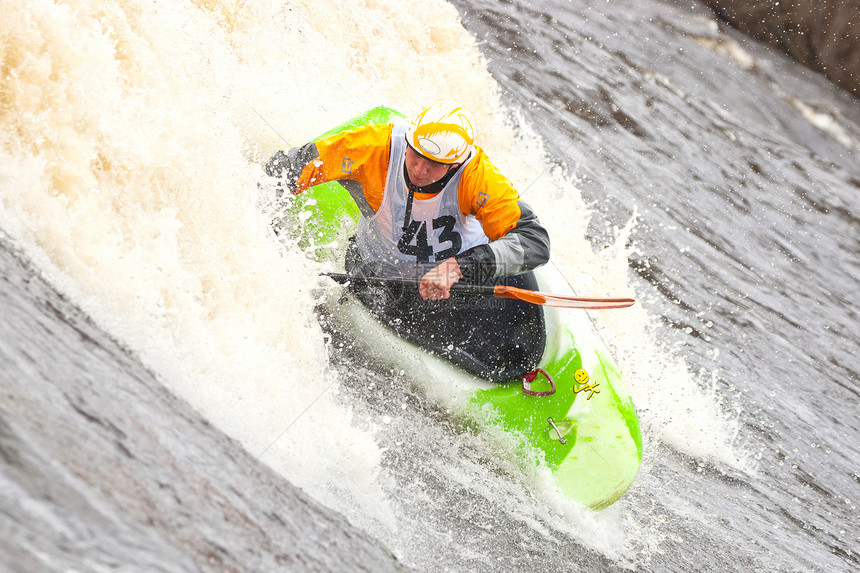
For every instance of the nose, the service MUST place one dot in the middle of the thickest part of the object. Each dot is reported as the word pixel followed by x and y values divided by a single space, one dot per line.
pixel 423 166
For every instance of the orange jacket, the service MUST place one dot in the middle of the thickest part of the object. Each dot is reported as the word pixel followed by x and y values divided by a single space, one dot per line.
pixel 362 156
pixel 518 241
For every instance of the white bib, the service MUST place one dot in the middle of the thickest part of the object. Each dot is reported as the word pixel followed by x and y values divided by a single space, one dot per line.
pixel 436 228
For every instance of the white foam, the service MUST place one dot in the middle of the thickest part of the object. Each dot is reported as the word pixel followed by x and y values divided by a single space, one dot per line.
pixel 132 137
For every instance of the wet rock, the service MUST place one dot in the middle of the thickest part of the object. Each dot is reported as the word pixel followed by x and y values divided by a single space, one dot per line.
pixel 101 468
pixel 821 34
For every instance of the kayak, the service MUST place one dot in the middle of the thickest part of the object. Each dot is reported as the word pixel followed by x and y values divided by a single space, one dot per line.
pixel 571 413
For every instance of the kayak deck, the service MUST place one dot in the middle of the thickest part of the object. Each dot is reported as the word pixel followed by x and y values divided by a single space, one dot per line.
pixel 582 424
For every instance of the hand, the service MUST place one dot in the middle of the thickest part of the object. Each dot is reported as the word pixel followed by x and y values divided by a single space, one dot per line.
pixel 437 283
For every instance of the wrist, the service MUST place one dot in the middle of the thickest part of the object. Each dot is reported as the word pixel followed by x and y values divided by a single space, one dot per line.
pixel 477 264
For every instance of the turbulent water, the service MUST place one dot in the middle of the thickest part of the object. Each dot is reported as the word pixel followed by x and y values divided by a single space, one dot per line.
pixel 671 160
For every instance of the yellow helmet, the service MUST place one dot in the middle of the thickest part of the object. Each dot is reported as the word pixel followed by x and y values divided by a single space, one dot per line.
pixel 444 132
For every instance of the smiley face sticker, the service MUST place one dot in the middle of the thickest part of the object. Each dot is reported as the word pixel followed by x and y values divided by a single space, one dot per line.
pixel 581 377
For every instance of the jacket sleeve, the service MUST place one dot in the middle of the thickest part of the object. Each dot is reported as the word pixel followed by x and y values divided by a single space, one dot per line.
pixel 358 159
pixel 288 166
pixel 518 241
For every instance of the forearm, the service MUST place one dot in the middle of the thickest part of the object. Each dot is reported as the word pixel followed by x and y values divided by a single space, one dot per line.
pixel 523 248
pixel 288 166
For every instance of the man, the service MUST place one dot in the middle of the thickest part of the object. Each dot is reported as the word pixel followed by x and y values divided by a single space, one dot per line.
pixel 432 206
pixel 430 199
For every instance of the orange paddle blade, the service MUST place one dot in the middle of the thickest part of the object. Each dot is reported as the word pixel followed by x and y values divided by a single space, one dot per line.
pixel 560 300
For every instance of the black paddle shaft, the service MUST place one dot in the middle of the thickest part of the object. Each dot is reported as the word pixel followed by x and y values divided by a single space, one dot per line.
pixel 358 280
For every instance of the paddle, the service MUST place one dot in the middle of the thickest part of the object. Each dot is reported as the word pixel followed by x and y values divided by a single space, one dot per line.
pixel 499 291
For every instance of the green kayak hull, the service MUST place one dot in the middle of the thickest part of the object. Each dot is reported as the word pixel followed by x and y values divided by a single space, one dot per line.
pixel 586 431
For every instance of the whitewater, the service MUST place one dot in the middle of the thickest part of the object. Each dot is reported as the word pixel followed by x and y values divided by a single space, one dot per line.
pixel 133 135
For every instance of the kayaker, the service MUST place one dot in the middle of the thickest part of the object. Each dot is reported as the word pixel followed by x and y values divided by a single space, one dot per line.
pixel 432 204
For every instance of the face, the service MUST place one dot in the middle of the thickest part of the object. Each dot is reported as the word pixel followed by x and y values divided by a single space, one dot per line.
pixel 422 171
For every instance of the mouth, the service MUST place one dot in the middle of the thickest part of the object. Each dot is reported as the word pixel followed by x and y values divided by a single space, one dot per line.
pixel 420 180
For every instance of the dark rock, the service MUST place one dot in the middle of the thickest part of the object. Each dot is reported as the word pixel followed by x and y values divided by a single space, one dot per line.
pixel 824 35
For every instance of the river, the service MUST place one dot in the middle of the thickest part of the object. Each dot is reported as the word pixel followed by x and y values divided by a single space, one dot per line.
pixel 671 160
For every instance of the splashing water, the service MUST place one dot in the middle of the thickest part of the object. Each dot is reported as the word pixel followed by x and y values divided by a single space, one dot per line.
pixel 132 137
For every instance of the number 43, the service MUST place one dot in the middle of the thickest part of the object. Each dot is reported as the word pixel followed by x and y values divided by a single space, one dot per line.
pixel 414 240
